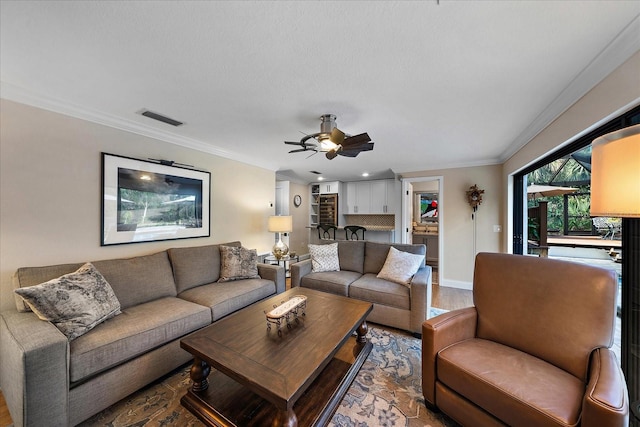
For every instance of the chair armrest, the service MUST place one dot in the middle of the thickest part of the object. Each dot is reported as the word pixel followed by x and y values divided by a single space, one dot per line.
pixel 274 273
pixel 299 270
pixel 34 374
pixel 606 400
pixel 438 333
pixel 420 291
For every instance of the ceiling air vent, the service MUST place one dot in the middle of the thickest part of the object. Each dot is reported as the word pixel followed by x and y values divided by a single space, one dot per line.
pixel 161 118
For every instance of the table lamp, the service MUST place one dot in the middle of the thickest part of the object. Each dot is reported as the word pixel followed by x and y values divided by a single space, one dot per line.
pixel 280 224
pixel 615 192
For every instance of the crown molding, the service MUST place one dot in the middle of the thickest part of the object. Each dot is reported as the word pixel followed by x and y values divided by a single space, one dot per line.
pixel 621 48
pixel 461 165
pixel 23 96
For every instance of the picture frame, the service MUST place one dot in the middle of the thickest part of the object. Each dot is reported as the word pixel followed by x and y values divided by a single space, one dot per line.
pixel 426 207
pixel 146 201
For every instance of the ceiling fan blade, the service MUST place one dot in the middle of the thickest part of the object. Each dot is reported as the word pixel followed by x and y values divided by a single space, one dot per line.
pixel 348 153
pixel 363 138
pixel 308 137
pixel 292 143
pixel 337 136
pixel 332 154
pixel 300 150
pixel 354 151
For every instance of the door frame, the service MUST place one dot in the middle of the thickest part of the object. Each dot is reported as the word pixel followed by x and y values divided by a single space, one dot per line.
pixel 407 206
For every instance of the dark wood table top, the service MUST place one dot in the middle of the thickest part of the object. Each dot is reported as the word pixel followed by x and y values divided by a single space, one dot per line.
pixel 279 368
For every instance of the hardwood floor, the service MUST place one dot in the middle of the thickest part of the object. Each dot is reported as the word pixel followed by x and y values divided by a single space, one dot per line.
pixel 451 298
pixel 443 297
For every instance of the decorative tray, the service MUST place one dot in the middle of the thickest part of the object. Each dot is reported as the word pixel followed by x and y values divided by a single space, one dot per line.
pixel 286 312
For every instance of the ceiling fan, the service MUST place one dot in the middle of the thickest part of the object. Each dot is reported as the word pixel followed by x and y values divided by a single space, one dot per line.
pixel 333 141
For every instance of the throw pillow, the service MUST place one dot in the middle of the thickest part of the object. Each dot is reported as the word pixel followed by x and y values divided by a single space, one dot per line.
pixel 75 303
pixel 238 263
pixel 399 267
pixel 324 257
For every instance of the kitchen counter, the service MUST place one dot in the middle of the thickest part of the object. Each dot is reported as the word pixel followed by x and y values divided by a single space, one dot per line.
pixel 368 227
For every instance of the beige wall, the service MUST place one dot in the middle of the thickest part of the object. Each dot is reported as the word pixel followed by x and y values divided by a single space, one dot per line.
pixel 299 238
pixel 617 93
pixel 50 176
pixel 456 253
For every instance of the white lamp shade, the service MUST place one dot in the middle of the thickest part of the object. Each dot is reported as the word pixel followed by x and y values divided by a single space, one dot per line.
pixel 280 224
pixel 615 174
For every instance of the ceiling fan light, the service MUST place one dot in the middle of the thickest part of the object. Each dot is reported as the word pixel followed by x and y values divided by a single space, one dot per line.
pixel 326 144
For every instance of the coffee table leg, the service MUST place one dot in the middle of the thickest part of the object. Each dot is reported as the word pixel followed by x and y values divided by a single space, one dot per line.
pixel 362 333
pixel 285 419
pixel 199 372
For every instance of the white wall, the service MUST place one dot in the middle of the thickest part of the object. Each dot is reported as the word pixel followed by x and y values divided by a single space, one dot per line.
pixel 50 172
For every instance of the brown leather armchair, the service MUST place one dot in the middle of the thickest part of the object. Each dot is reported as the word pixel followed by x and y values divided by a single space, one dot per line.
pixel 533 351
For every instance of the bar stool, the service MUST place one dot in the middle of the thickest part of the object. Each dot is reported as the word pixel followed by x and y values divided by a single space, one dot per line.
pixel 325 231
pixel 352 231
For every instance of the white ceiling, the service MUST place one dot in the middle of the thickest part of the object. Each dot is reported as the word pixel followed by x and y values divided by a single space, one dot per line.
pixel 436 85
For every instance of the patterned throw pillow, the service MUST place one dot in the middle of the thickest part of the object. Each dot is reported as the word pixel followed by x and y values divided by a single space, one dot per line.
pixel 399 267
pixel 75 303
pixel 324 257
pixel 238 263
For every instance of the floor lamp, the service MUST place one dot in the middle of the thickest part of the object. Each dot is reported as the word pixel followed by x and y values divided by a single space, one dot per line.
pixel 615 192
pixel 280 224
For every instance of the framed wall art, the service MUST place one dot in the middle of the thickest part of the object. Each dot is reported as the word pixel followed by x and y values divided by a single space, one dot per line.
pixel 145 201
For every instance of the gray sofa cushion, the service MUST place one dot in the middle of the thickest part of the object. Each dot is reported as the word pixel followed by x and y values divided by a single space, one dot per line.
pixel 136 331
pixel 140 279
pixel 334 282
pixel 195 266
pixel 351 255
pixel 376 254
pixel 379 291
pixel 226 297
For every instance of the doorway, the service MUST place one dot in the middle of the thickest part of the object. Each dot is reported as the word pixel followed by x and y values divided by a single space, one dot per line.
pixel 412 189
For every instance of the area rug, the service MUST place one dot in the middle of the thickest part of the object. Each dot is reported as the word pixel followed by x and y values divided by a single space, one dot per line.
pixel 386 392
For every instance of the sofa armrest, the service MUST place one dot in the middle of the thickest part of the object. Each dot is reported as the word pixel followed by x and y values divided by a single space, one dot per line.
pixel 606 400
pixel 274 273
pixel 299 270
pixel 34 373
pixel 421 291
pixel 438 333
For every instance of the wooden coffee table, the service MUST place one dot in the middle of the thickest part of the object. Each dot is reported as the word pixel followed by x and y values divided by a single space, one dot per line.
pixel 263 378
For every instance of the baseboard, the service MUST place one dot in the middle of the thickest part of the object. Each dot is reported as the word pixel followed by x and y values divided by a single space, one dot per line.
pixel 458 284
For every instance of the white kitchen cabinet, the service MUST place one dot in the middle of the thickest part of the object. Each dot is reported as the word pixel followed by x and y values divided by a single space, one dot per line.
pixel 350 195
pixel 363 197
pixel 329 187
pixel 372 197
pixel 358 197
pixel 378 197
pixel 384 197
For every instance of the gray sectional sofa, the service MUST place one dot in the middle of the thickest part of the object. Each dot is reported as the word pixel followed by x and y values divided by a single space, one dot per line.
pixel 395 305
pixel 48 380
